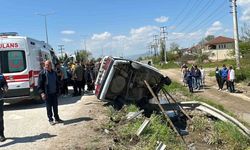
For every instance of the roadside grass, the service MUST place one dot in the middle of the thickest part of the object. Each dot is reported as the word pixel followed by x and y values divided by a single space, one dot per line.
pixel 227 62
pixel 158 130
pixel 229 136
pixel 199 124
pixel 170 64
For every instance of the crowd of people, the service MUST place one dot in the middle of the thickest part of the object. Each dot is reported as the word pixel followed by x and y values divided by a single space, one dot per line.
pixel 194 77
pixel 78 74
pixel 225 76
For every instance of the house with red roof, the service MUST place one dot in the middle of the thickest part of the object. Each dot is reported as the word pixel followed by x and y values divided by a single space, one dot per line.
pixel 220 48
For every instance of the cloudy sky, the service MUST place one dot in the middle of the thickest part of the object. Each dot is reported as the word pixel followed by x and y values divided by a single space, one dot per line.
pixel 120 27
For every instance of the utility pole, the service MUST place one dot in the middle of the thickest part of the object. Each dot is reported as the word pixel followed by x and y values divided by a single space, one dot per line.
pixel 85 36
pixel 155 44
pixel 61 49
pixel 102 52
pixel 236 33
pixel 45 24
pixel 149 47
pixel 163 37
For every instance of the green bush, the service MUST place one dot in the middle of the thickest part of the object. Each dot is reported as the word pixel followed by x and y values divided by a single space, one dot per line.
pixel 240 75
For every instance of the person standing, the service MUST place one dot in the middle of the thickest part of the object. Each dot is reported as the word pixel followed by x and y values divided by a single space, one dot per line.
pixel 188 78
pixel 231 79
pixel 202 76
pixel 89 77
pixel 48 87
pixel 192 70
pixel 197 77
pixel 60 77
pixel 83 77
pixel 3 90
pixel 218 77
pixel 224 74
pixel 183 72
pixel 78 76
pixel 65 90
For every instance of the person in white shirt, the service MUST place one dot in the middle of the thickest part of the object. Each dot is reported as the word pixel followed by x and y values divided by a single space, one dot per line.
pixel 202 76
pixel 231 79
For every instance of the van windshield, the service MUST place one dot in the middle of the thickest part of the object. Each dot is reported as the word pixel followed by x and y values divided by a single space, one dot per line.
pixel 12 61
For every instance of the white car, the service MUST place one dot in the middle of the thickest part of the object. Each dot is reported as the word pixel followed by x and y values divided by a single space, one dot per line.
pixel 122 81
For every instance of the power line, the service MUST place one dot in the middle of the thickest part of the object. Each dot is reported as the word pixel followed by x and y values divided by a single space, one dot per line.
pixel 180 13
pixel 195 4
pixel 199 14
pixel 220 17
pixel 210 17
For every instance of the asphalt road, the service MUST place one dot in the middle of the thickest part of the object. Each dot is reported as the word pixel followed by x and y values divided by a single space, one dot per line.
pixel 27 126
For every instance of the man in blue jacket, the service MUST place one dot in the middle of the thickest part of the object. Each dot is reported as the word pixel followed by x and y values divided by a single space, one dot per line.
pixel 224 73
pixel 3 90
pixel 48 87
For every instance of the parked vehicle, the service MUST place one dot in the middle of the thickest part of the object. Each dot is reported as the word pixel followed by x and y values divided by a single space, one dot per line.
pixel 122 81
pixel 21 60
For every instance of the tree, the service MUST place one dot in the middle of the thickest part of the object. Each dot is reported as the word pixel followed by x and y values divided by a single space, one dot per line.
pixel 245 33
pixel 174 46
pixel 245 40
pixel 206 39
pixel 244 48
pixel 82 55
pixel 209 38
pixel 62 58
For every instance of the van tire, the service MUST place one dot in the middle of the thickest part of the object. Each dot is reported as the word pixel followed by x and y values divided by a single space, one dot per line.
pixel 118 103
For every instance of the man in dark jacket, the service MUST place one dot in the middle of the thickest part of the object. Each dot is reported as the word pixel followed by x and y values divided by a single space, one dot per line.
pixel 48 87
pixel 3 90
pixel 90 77
pixel 188 78
pixel 218 77
pixel 197 77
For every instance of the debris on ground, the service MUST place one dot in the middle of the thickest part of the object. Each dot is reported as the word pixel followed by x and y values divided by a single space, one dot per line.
pixel 142 127
pixel 132 115
pixel 161 146
pixel 203 132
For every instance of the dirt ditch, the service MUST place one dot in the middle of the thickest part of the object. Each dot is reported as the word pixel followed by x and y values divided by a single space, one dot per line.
pixel 204 132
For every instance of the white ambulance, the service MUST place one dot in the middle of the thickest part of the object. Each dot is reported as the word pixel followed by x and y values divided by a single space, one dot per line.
pixel 21 60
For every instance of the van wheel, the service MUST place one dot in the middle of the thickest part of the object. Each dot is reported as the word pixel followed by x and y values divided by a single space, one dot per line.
pixel 118 103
